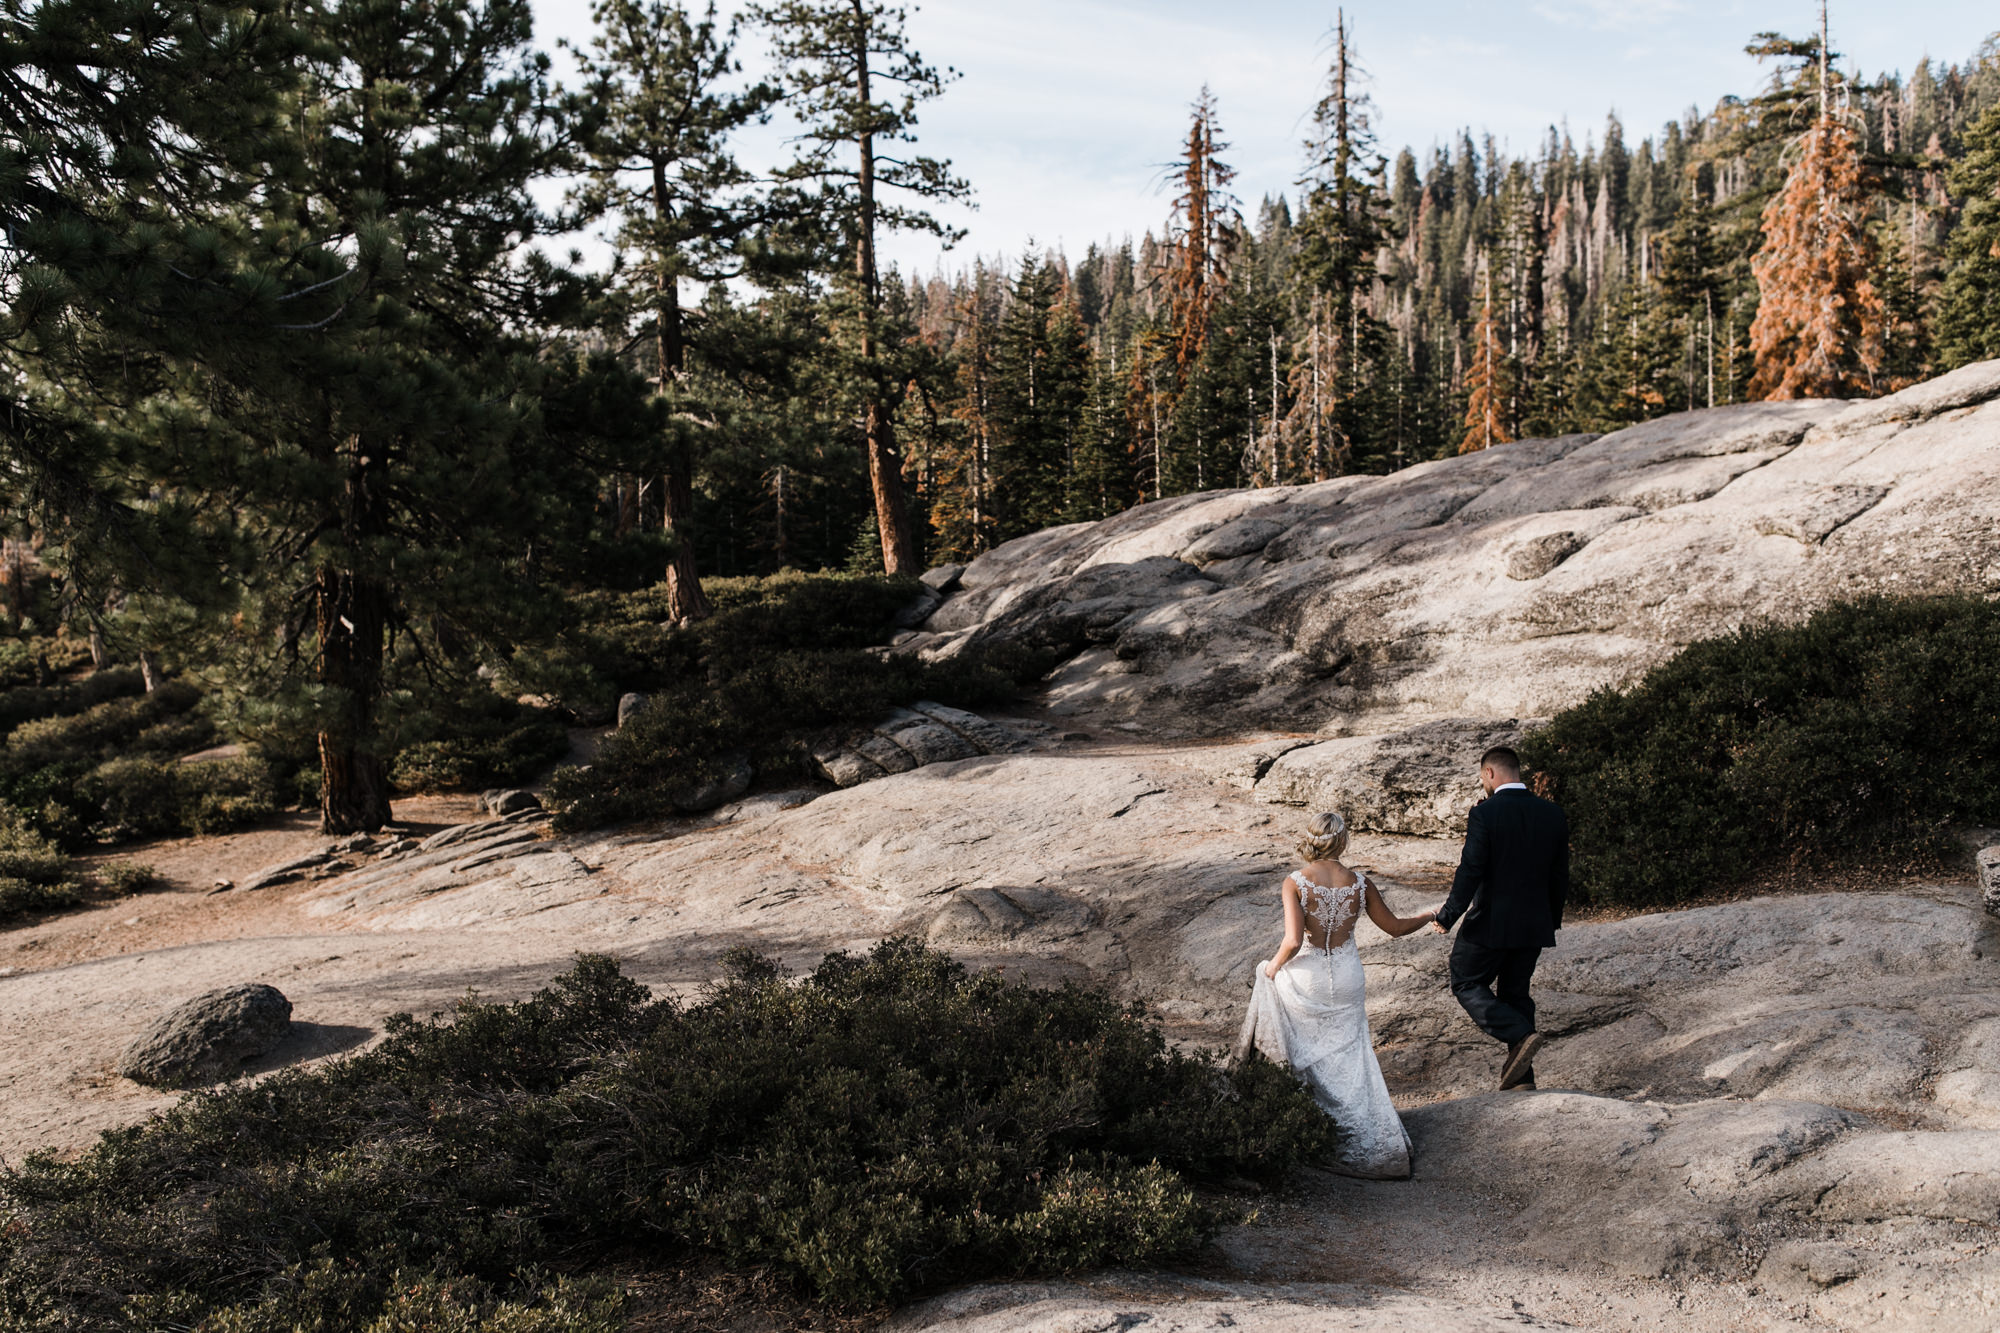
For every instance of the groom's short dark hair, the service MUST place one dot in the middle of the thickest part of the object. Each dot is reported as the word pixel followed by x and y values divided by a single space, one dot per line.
pixel 1502 759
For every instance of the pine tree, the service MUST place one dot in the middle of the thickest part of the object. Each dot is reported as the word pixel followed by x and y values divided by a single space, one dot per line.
pixel 1200 237
pixel 1818 331
pixel 660 160
pixel 133 133
pixel 1486 386
pixel 1968 319
pixel 838 56
pixel 1342 227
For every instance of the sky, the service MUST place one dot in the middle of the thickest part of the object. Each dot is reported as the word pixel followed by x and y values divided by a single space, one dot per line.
pixel 1066 111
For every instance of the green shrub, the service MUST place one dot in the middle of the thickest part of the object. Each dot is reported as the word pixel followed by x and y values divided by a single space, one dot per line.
pixel 126 878
pixel 34 875
pixel 115 724
pixel 23 661
pixel 820 1129
pixel 23 703
pixel 144 797
pixel 1861 735
pixel 783 660
pixel 111 772
pixel 473 741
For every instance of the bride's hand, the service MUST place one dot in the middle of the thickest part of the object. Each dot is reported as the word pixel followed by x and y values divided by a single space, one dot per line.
pixel 1270 973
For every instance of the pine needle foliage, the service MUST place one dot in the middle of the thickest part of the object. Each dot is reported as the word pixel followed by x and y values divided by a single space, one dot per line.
pixel 818 1128
pixel 1968 321
pixel 1859 736
pixel 1486 386
pixel 1820 317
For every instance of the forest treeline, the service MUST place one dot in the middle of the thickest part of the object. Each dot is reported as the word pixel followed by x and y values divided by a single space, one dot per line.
pixel 304 398
pixel 1397 309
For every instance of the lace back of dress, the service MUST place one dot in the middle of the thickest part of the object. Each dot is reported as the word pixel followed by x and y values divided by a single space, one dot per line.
pixel 1330 910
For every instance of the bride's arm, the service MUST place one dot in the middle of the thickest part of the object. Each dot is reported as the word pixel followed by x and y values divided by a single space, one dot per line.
pixel 1379 913
pixel 1295 928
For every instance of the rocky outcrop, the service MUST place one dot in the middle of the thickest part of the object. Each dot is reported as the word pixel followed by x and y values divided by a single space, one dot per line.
pixel 1419 781
pixel 909 738
pixel 208 1038
pixel 1506 583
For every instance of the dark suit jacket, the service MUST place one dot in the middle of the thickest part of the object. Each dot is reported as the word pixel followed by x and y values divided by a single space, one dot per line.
pixel 1514 875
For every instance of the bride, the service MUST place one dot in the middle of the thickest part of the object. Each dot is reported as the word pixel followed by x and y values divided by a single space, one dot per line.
pixel 1309 1010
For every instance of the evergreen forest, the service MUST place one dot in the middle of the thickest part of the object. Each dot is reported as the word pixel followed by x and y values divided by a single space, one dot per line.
pixel 310 410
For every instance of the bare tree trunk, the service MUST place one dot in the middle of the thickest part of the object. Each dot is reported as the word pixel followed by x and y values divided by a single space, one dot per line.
pixel 100 657
pixel 885 465
pixel 149 670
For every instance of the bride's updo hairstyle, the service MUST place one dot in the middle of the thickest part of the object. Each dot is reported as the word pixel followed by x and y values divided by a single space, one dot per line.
pixel 1325 837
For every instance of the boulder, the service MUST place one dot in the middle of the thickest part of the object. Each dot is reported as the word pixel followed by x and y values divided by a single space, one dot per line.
pixel 1419 781
pixel 909 738
pixel 988 737
pixel 1968 1082
pixel 286 871
pixel 845 768
pixel 1988 862
pixel 1243 536
pixel 630 706
pixel 502 803
pixel 208 1038
pixel 925 740
pixel 942 579
pixel 927 600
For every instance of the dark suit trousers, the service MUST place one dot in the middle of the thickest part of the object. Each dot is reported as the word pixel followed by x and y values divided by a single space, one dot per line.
pixel 1492 984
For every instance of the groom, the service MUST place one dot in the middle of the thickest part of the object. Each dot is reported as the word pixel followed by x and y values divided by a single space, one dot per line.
pixel 1509 890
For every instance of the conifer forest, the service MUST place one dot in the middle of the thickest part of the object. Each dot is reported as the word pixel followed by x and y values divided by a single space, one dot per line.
pixel 304 381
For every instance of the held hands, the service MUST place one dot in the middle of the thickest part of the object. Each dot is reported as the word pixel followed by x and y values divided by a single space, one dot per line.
pixel 1435 927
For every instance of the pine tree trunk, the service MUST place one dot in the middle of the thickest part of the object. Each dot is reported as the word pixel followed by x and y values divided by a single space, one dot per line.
pixel 885 465
pixel 149 670
pixel 351 613
pixel 354 790
pixel 685 598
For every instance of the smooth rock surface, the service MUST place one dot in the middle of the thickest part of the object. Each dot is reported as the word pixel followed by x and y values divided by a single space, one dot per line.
pixel 1504 583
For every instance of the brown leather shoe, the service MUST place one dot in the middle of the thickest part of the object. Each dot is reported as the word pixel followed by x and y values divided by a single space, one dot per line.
pixel 1520 1066
pixel 1525 1085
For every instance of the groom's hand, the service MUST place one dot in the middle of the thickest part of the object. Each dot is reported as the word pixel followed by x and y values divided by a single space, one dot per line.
pixel 1435 927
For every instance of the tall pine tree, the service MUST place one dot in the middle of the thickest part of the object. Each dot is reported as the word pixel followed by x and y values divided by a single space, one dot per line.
pixel 660 159
pixel 853 82
pixel 1968 321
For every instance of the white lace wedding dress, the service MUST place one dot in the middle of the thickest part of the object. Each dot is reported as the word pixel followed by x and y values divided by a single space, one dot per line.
pixel 1314 1017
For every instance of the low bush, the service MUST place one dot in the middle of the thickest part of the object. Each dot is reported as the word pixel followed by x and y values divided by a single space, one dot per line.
pixel 24 703
pixel 783 661
pixel 818 1129
pixel 1861 735
pixel 37 660
pixel 144 797
pixel 125 878
pixel 35 876
pixel 473 741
